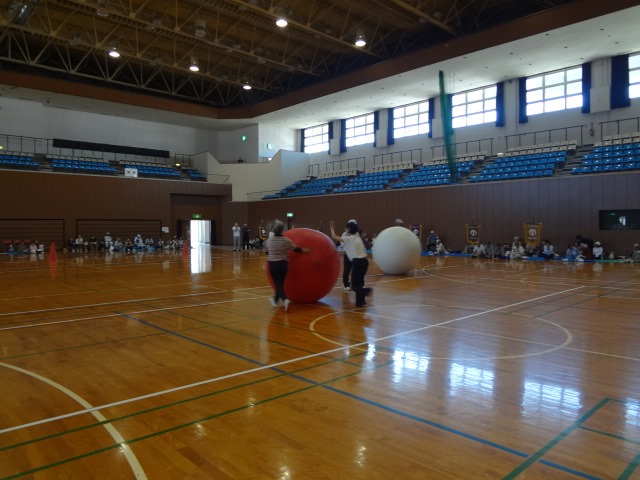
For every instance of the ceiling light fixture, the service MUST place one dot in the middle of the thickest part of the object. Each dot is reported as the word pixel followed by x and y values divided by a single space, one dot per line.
pixel 246 86
pixel 201 30
pixel 360 41
pixel 113 52
pixel 101 9
pixel 282 22
pixel 194 65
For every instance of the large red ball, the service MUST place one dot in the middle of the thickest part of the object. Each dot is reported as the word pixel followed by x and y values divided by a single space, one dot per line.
pixel 310 276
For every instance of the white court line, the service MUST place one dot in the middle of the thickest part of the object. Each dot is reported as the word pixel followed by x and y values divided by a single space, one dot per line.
pixel 137 312
pixel 119 439
pixel 274 365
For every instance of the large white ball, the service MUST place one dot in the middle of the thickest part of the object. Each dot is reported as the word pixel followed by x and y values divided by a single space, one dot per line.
pixel 396 250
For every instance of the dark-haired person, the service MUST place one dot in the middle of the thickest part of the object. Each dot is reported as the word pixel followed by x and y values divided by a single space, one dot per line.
pixel 277 248
pixel 355 250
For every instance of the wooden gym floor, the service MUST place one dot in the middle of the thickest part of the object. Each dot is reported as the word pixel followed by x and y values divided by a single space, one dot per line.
pixel 169 366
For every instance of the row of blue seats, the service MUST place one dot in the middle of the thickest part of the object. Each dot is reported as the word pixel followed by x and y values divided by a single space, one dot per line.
pixel 615 155
pixel 511 175
pixel 361 188
pixel 536 156
pixel 195 175
pixel 493 169
pixel 614 167
pixel 19 162
pixel 305 193
pixel 82 166
pixel 161 172
pixel 426 182
pixel 615 148
pixel 587 162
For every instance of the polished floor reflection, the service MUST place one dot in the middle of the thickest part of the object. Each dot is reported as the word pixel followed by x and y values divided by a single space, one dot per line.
pixel 174 365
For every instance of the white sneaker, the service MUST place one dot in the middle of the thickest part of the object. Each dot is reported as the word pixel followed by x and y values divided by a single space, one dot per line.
pixel 286 304
pixel 347 289
pixel 273 302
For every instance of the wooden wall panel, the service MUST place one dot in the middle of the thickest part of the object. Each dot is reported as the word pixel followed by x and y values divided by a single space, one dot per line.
pixel 565 205
pixel 74 198
pixel 123 229
pixel 45 231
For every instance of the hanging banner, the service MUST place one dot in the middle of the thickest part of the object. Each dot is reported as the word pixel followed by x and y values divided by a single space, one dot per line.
pixel 262 232
pixel 417 230
pixel 532 234
pixel 473 234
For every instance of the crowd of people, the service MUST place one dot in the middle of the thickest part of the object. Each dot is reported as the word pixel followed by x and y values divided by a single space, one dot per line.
pixel 109 244
pixel 581 249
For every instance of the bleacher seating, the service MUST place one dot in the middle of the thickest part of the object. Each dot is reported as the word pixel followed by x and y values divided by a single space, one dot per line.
pixel 20 162
pixel 93 167
pixel 371 180
pixel 317 186
pixel 429 175
pixel 611 156
pixel 155 171
pixel 196 175
pixel 518 166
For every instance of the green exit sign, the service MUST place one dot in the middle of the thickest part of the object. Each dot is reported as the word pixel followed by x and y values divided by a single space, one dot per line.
pixel 196 215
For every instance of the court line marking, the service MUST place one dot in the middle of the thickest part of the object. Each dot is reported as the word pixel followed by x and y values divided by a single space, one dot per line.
pixel 133 461
pixel 552 348
pixel 270 366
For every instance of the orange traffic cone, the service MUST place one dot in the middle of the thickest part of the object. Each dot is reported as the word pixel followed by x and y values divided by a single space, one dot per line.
pixel 53 254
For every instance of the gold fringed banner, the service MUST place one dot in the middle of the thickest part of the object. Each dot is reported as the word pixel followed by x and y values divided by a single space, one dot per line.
pixel 532 234
pixel 262 232
pixel 417 230
pixel 473 234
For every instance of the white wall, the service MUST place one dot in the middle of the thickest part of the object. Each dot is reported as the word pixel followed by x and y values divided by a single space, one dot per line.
pixel 35 119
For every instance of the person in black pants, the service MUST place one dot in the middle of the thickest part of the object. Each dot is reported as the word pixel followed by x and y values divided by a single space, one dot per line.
pixel 355 250
pixel 277 248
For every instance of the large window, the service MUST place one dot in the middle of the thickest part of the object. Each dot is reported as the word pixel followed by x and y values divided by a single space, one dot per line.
pixel 634 76
pixel 554 91
pixel 474 107
pixel 316 139
pixel 359 130
pixel 410 120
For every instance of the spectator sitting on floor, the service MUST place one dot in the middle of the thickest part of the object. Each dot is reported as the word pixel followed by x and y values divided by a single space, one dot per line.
pixel 547 250
pixel 439 250
pixel 572 253
pixel 598 251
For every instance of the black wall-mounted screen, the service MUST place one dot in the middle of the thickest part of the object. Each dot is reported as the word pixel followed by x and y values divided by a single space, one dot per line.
pixel 105 147
pixel 619 219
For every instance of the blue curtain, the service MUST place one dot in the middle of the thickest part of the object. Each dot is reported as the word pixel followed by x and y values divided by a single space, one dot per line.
pixel 376 126
pixel 343 136
pixel 586 87
pixel 500 105
pixel 302 140
pixel 432 112
pixel 390 139
pixel 620 82
pixel 522 100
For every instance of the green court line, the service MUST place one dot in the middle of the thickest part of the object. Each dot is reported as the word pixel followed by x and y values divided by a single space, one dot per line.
pixel 611 435
pixel 540 453
pixel 184 425
pixel 630 469
pixel 179 402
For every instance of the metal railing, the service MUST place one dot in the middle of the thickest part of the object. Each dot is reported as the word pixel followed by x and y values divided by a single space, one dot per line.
pixel 545 136
pixel 614 127
pixel 464 148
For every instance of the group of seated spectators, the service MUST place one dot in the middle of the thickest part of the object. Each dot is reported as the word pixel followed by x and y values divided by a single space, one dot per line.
pixel 580 250
pixel 108 244
pixel 32 248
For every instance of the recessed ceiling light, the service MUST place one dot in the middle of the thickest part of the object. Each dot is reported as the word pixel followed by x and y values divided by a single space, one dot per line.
pixel 282 22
